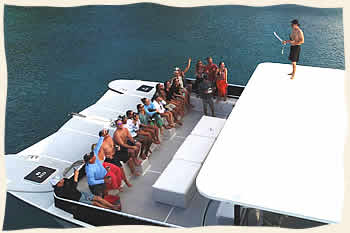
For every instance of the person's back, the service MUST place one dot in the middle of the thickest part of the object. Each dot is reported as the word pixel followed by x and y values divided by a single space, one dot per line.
pixel 206 93
pixel 68 190
pixel 205 89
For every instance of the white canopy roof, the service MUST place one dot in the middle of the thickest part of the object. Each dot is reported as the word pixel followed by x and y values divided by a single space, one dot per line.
pixel 282 147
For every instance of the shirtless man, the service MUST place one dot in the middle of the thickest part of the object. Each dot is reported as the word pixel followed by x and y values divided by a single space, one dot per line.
pixel 109 153
pixel 296 39
pixel 127 143
pixel 210 70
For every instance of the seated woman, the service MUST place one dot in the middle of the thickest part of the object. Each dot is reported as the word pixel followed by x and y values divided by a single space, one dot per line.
pixel 176 91
pixel 172 98
pixel 153 113
pixel 169 105
pixel 181 74
pixel 157 102
pixel 66 188
pixel 146 124
pixel 145 140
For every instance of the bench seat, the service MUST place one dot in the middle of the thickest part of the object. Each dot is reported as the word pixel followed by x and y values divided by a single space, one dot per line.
pixel 195 149
pixel 176 185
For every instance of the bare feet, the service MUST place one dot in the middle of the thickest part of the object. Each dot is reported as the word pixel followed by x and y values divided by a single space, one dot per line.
pixel 143 156
pixel 178 122
pixel 137 162
pixel 292 77
pixel 117 207
pixel 136 173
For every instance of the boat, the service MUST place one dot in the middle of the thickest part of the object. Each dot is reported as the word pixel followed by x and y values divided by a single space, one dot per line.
pixel 260 161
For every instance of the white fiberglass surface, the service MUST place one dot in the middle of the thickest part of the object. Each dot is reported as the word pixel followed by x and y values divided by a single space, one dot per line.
pixel 118 102
pixel 282 147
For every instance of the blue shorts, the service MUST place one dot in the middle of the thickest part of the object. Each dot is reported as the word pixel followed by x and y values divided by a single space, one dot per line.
pixel 86 198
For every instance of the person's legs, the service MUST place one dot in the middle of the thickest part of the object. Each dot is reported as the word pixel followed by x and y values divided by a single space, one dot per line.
pixel 97 189
pixel 294 64
pixel 100 202
pixel 134 153
pixel 152 133
pixel 204 107
pixel 124 177
pixel 132 167
pixel 211 105
pixel 167 119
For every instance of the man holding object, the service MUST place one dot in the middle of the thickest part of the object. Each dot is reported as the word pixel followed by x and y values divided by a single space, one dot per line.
pixel 296 39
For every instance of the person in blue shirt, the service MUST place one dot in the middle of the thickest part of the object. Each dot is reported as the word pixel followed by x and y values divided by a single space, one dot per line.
pixel 153 113
pixel 95 172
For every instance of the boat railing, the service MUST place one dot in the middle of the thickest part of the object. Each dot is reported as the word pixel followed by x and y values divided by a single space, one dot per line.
pixel 233 90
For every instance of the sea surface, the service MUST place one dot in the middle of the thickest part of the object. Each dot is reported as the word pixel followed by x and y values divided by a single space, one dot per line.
pixel 60 60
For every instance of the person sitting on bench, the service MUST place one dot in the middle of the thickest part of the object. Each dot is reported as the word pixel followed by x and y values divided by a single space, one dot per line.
pixel 67 189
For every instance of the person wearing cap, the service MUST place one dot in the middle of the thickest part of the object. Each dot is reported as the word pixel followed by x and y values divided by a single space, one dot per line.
pixel 67 189
pixel 296 39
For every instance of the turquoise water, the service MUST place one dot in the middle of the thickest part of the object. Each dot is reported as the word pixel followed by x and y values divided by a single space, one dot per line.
pixel 60 60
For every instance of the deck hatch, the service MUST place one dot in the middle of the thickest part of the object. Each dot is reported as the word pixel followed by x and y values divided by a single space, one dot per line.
pixel 40 174
pixel 144 88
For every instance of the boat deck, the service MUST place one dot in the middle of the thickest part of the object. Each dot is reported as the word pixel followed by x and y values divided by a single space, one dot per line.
pixel 138 201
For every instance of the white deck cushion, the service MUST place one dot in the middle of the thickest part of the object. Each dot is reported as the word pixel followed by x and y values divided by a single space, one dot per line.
pixel 176 185
pixel 195 148
pixel 209 127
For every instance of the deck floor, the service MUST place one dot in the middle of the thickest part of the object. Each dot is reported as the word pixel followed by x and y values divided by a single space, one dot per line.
pixel 138 201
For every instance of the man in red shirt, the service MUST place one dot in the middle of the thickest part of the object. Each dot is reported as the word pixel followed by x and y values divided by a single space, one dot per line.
pixel 210 70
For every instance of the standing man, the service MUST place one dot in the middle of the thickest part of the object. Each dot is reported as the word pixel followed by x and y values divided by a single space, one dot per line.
pixel 296 39
pixel 210 69
pixel 206 93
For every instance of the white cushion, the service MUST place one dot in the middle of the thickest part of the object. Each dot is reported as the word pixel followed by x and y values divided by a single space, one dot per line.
pixel 195 148
pixel 209 127
pixel 176 185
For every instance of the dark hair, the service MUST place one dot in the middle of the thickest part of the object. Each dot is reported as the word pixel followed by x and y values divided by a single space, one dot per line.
pixel 139 106
pixel 100 133
pixel 143 100
pixel 157 87
pixel 295 21
pixel 154 96
pixel 134 116
pixel 88 156
pixel 128 113
pixel 209 58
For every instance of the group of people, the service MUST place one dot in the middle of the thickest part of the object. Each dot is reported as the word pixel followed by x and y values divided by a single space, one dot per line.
pixel 131 142
pixel 135 133
pixel 211 81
